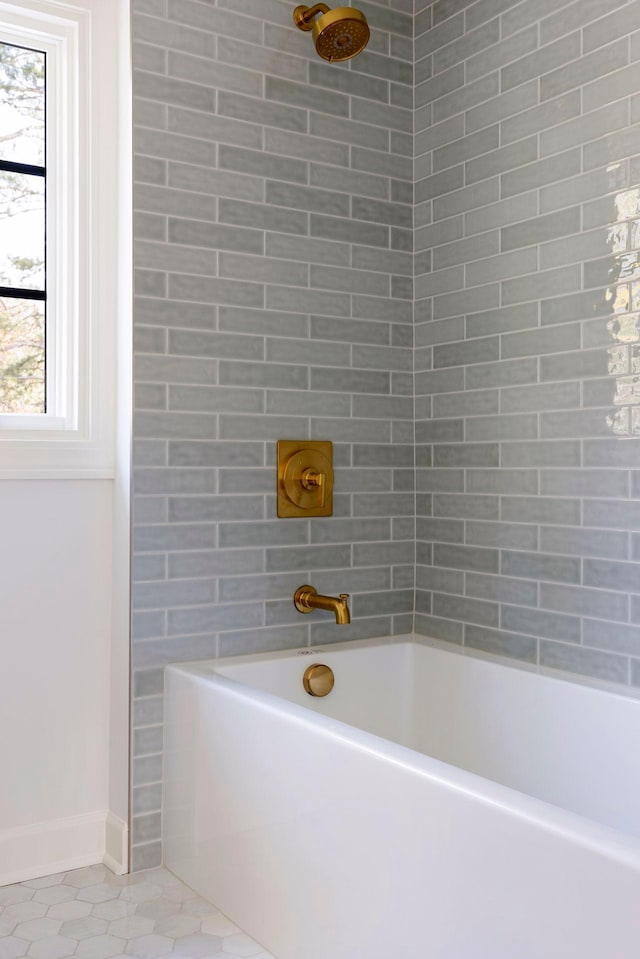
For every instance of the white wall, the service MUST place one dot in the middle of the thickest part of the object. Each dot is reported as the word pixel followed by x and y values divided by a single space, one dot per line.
pixel 64 578
pixel 55 615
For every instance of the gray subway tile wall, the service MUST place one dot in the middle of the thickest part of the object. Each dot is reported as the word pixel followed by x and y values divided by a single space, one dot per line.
pixel 274 299
pixel 481 392
pixel 527 332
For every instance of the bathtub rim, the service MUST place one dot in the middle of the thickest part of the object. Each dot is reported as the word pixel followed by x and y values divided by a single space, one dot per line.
pixel 548 672
pixel 574 827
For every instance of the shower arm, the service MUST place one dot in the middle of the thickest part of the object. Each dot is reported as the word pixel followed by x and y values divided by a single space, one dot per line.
pixel 303 16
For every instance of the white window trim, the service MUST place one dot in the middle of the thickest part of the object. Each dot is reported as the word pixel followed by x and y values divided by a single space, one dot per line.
pixel 88 224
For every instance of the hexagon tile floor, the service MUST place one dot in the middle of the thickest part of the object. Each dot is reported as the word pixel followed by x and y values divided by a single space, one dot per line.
pixel 93 914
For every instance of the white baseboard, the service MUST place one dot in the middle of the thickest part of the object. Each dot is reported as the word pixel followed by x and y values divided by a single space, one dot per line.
pixel 116 855
pixel 43 849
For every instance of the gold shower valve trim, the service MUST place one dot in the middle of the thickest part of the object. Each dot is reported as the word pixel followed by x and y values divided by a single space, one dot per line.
pixel 305 478
pixel 338 34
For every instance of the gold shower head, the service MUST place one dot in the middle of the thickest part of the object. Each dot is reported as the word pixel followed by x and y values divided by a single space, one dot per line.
pixel 338 34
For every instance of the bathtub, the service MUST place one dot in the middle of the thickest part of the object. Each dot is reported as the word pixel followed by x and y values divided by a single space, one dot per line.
pixel 434 806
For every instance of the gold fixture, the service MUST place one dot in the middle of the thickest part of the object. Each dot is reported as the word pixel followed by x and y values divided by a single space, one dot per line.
pixel 305 478
pixel 307 598
pixel 318 680
pixel 338 34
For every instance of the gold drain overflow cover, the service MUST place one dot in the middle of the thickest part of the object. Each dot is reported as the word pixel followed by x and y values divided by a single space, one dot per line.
pixel 318 680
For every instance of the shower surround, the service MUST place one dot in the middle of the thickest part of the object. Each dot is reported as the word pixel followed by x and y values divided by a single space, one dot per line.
pixel 274 286
pixel 274 237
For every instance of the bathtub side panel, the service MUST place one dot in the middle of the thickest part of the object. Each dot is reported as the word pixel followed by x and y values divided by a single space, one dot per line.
pixel 181 759
pixel 319 848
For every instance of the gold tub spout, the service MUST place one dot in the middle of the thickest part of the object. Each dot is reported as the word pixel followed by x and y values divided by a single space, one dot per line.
pixel 307 599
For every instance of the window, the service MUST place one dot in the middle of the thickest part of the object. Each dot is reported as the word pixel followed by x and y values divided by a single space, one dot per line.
pixel 22 230
pixel 64 232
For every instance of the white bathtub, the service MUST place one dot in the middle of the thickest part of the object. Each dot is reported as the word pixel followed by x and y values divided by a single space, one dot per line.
pixel 433 806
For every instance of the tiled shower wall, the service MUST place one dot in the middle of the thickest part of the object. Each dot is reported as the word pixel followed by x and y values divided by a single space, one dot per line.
pixel 274 299
pixel 527 335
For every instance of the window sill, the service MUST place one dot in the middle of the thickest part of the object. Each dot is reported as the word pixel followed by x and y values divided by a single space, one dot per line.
pixel 47 460
pixel 61 474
